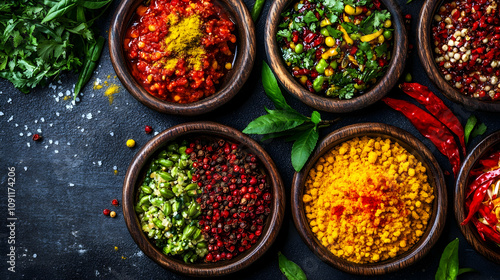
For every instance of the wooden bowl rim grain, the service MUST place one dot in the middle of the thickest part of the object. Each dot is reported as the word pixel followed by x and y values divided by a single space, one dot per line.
pixel 232 82
pixel 335 105
pixel 436 179
pixel 487 249
pixel 136 170
pixel 426 54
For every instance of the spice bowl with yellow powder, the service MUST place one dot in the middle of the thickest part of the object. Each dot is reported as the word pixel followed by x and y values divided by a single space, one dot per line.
pixel 182 57
pixel 371 200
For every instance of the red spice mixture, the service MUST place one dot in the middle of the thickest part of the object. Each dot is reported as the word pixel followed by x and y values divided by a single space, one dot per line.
pixel 236 197
pixel 179 50
pixel 467 46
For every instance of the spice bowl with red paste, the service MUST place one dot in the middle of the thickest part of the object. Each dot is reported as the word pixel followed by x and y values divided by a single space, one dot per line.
pixel 459 46
pixel 182 57
pixel 333 56
pixel 477 202
pixel 391 223
pixel 203 199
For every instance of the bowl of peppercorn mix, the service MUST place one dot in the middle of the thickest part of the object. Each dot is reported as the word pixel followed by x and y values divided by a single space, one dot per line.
pixel 203 199
pixel 371 200
pixel 459 46
pixel 333 56
pixel 182 57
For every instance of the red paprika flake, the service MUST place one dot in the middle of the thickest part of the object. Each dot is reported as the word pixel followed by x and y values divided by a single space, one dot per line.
pixel 436 107
pixel 36 137
pixel 431 128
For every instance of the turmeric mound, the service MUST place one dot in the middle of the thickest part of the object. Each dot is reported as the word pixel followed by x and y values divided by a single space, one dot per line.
pixel 368 200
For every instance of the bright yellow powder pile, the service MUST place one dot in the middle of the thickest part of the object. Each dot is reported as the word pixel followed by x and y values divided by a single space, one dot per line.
pixel 368 200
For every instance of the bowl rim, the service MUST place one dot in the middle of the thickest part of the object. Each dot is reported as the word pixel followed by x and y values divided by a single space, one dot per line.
pixel 130 186
pixel 437 219
pixel 243 62
pixel 335 105
pixel 426 56
pixel 468 230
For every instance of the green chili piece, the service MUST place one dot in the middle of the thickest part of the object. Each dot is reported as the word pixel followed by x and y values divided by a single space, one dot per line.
pixel 318 83
pixel 355 36
pixel 144 200
pixel 166 193
pixel 176 206
pixel 166 162
pixel 172 147
pixel 158 223
pixel 182 150
pixel 321 66
pixel 146 189
pixel 174 157
pixel 299 48
pixel 192 193
pixel 167 208
pixel 191 186
pixel 167 177
pixel 138 209
pixel 333 64
pixel 162 154
pixel 257 8
pixel 324 32
pixel 91 59
pixel 196 235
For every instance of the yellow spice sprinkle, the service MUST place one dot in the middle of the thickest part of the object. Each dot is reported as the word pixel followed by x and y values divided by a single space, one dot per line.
pixel 130 143
pixel 110 91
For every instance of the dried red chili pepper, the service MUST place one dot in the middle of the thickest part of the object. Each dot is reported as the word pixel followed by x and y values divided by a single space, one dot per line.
pixel 487 231
pixel 431 128
pixel 486 213
pixel 477 199
pixel 488 163
pixel 483 178
pixel 436 107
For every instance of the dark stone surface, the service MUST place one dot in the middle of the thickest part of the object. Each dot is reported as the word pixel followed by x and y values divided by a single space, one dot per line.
pixel 64 182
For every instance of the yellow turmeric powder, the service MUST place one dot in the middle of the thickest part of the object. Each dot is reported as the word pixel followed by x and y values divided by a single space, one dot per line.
pixel 183 41
pixel 368 200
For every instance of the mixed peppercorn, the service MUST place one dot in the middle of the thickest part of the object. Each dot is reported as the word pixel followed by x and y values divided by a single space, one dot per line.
pixel 223 195
pixel 335 48
pixel 467 46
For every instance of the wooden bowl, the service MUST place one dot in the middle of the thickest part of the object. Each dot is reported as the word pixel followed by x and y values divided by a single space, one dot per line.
pixel 436 180
pixel 335 105
pixel 137 169
pixel 487 249
pixel 232 82
pixel 426 54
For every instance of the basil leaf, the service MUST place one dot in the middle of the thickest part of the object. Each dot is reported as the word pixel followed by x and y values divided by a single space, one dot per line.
pixel 290 132
pixel 276 121
pixel 272 89
pixel 303 147
pixel 479 130
pixel 58 10
pixel 469 126
pixel 290 269
pixel 448 264
pixel 310 17
pixel 315 117
pixel 94 4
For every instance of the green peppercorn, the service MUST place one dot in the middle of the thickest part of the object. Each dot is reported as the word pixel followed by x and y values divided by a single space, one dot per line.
pixel 299 48
pixel 387 34
pixel 408 77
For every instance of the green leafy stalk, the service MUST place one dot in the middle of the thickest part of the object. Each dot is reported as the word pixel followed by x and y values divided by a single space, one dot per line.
pixel 448 264
pixel 287 122
pixel 472 130
pixel 290 269
pixel 257 9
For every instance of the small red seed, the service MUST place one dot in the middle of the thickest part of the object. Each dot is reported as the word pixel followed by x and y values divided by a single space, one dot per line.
pixel 106 212
pixel 115 202
pixel 37 137
pixel 148 129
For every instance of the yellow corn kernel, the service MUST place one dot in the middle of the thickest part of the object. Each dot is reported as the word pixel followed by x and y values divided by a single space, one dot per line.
pixel 329 41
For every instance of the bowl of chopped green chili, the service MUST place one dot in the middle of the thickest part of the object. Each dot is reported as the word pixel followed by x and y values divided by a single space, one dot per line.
pixel 203 199
pixel 336 56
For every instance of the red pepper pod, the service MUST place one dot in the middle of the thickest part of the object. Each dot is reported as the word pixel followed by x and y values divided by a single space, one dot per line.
pixel 477 200
pixel 487 176
pixel 431 128
pixel 485 212
pixel 487 231
pixel 436 107
pixel 488 163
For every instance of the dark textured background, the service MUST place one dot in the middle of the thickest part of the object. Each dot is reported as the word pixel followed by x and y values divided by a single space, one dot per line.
pixel 64 182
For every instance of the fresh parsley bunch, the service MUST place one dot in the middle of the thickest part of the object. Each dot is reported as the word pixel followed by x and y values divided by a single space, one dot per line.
pixel 286 121
pixel 40 39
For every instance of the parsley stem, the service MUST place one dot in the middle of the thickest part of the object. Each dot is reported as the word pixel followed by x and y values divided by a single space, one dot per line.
pixel 328 122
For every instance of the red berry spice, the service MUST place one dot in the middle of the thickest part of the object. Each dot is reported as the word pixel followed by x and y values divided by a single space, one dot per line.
pixel 37 137
pixel 106 212
pixel 115 202
pixel 148 129
pixel 407 16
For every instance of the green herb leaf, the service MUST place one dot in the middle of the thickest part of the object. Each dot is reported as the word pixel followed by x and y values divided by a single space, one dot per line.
pixel 337 34
pixel 335 5
pixel 448 264
pixel 276 121
pixel 479 130
pixel 364 46
pixel 285 33
pixel 303 147
pixel 465 270
pixel 59 9
pixel 310 17
pixel 380 50
pixel 380 17
pixel 272 89
pixel 290 269
pixel 469 126
pixel 315 117
pixel 290 132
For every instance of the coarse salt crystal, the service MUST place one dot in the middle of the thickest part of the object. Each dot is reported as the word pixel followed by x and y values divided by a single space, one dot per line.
pixel 25 168
pixel 9 101
pixel 10 119
pixel 57 114
pixel 42 119
pixel 50 141
pixel 56 142
pixel 1 113
pixel 56 151
pixel 99 163
pixel 71 184
pixel 21 134
pixel 39 130
pixel 28 144
pixel 112 133
pixel 89 116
